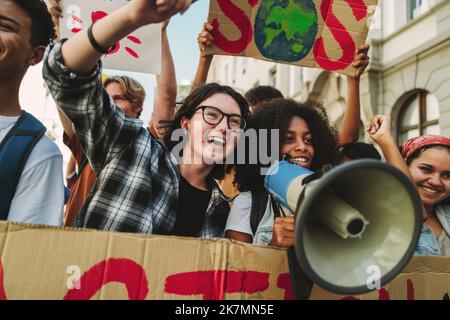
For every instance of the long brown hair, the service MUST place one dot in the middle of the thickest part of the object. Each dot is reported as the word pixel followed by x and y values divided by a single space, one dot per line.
pixel 188 109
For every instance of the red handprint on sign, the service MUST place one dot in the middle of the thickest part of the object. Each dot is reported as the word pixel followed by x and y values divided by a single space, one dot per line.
pixel 98 15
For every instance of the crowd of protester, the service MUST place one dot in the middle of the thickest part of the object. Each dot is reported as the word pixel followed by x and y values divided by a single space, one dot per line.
pixel 172 176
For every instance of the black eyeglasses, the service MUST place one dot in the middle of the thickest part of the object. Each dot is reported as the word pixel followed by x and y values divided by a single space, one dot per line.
pixel 214 116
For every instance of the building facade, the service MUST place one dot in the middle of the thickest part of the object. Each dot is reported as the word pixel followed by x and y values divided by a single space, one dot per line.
pixel 408 77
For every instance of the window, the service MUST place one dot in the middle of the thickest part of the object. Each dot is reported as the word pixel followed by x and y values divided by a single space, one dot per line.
pixel 419 116
pixel 418 7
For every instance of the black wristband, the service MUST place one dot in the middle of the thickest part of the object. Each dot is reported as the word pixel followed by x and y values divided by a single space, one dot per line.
pixel 94 43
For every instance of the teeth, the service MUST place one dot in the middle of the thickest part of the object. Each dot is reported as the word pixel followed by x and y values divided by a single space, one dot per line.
pixel 429 190
pixel 300 159
pixel 216 140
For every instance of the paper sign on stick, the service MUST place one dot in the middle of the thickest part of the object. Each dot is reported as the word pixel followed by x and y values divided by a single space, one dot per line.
pixel 138 52
pixel 311 33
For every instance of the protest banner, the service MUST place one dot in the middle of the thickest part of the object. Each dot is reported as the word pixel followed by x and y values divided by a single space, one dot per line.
pixel 138 52
pixel 311 33
pixel 65 263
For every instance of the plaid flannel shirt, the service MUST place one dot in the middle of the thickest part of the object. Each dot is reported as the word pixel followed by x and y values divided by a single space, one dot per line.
pixel 137 177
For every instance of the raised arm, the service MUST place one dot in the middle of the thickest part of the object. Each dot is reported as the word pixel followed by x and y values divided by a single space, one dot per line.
pixel 79 54
pixel 101 127
pixel 205 40
pixel 164 107
pixel 350 127
pixel 54 8
pixel 379 130
pixel 66 123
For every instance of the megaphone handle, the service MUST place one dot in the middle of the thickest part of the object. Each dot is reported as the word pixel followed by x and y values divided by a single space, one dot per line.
pixel 300 283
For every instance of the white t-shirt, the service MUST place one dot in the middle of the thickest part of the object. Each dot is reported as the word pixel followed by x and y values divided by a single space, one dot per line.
pixel 239 216
pixel 239 219
pixel 39 196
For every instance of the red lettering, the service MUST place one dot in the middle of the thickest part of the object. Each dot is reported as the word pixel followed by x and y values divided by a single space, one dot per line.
pixel 125 271
pixel 383 294
pixel 284 282
pixel 2 287
pixel 410 290
pixel 342 36
pixel 213 284
pixel 77 19
pixel 242 22
pixel 359 8
pixel 350 298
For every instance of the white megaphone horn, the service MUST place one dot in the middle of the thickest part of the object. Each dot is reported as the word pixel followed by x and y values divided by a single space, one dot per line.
pixel 361 216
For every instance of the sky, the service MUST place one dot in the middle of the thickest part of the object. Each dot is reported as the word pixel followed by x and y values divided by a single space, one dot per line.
pixel 182 31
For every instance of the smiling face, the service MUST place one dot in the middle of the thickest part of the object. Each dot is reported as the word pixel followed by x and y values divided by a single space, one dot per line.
pixel 431 173
pixel 212 143
pixel 16 51
pixel 297 143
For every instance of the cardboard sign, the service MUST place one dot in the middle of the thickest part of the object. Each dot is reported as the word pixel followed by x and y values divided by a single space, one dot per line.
pixel 138 52
pixel 56 263
pixel 425 278
pixel 310 33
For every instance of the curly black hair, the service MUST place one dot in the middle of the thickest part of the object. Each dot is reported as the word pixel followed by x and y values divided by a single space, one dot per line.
pixel 42 27
pixel 259 94
pixel 188 109
pixel 277 114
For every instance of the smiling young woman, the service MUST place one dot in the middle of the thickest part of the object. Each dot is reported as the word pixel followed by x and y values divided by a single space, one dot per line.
pixel 140 187
pixel 426 161
pixel 307 139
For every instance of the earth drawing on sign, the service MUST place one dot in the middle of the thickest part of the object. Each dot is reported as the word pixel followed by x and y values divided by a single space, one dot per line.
pixel 285 30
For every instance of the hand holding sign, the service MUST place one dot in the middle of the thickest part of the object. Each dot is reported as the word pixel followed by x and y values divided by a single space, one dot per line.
pixel 139 51
pixel 205 39
pixel 361 60
pixel 143 12
pixel 310 33
pixel 54 8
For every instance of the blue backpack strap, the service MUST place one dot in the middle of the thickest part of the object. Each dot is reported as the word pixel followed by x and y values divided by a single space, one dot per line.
pixel 15 149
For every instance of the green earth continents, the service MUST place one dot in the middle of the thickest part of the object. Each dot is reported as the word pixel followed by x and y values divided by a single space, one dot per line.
pixel 285 30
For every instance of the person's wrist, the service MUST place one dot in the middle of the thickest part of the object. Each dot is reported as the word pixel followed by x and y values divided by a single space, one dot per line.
pixel 99 48
pixel 133 18
pixel 353 80
pixel 385 140
pixel 206 57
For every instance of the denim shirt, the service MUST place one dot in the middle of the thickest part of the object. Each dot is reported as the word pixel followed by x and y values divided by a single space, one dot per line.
pixel 263 234
pixel 428 243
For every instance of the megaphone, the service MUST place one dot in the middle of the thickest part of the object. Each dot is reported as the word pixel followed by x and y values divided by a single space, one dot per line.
pixel 356 227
